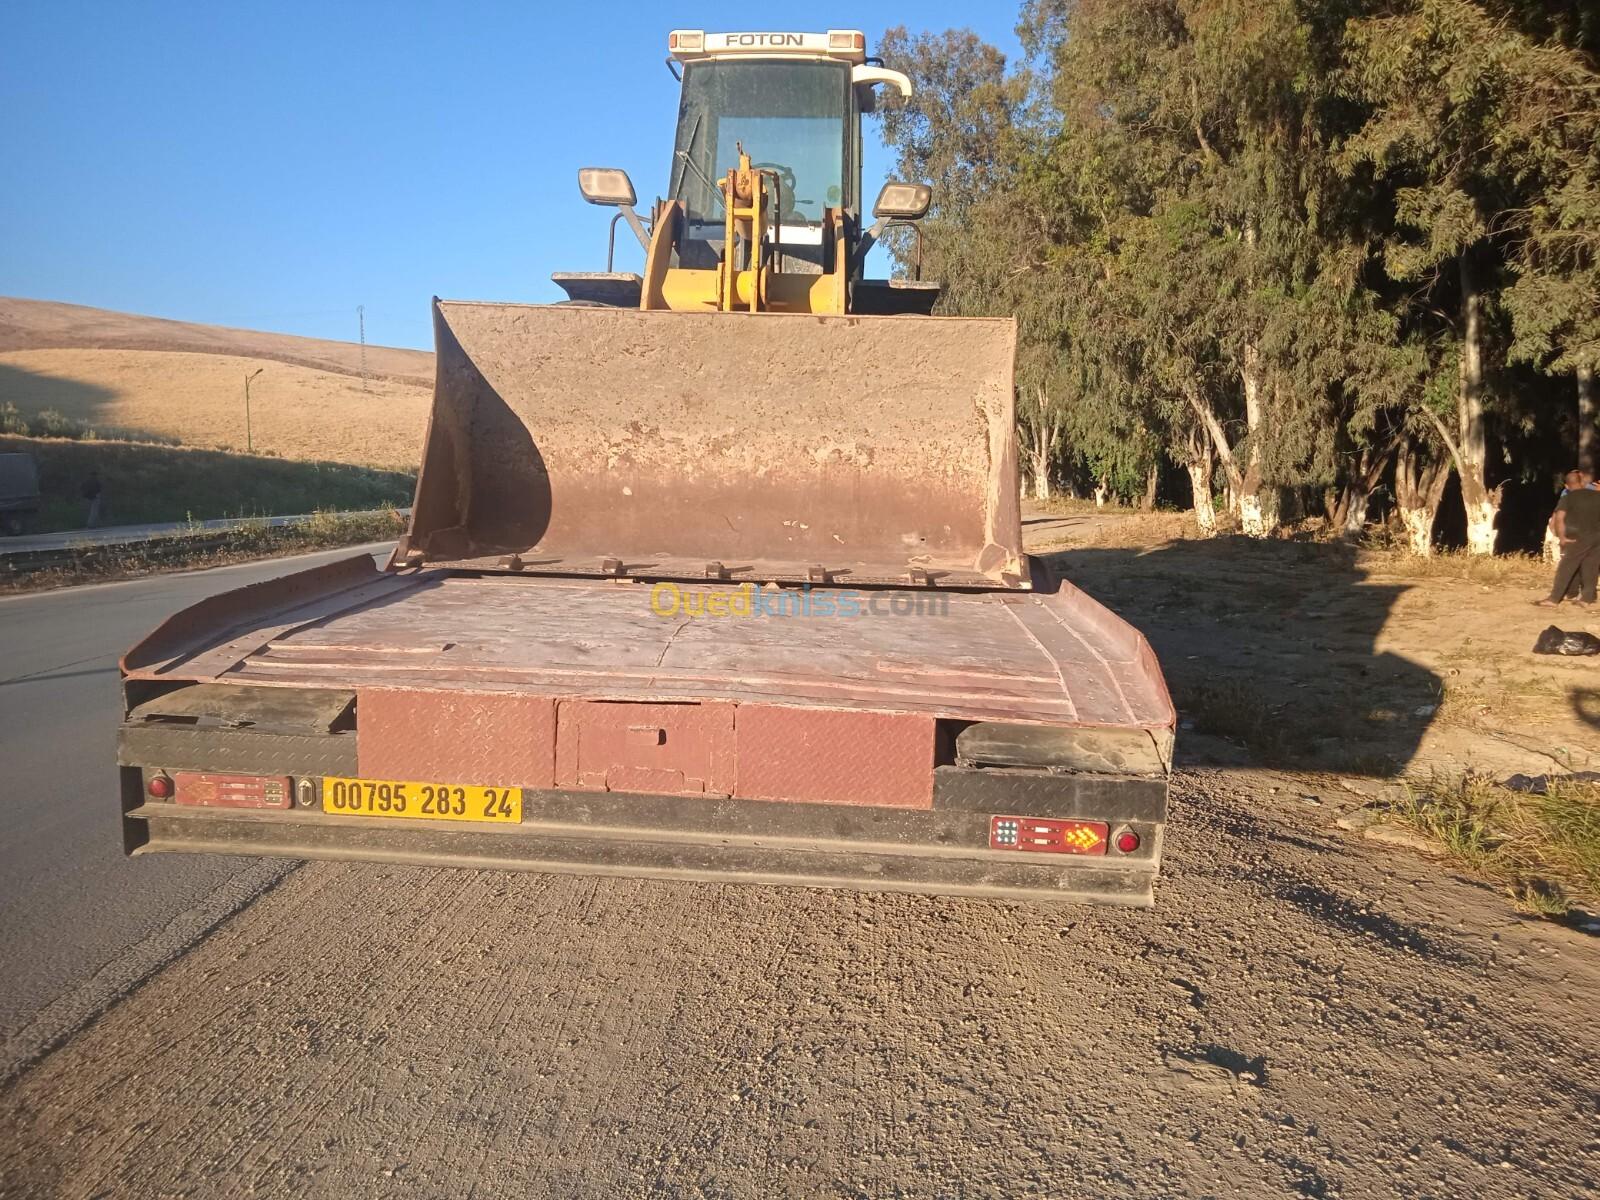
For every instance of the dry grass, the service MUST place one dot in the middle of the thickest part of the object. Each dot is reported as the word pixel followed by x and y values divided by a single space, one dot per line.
pixel 1544 849
pixel 297 412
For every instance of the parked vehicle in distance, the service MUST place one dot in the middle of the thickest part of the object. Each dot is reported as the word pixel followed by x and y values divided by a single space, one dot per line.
pixel 19 492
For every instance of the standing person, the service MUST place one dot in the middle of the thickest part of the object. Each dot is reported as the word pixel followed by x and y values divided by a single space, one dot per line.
pixel 1577 527
pixel 91 492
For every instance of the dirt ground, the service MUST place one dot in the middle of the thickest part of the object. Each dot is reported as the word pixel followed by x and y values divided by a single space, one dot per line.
pixel 1302 1015
pixel 1305 1013
pixel 1321 657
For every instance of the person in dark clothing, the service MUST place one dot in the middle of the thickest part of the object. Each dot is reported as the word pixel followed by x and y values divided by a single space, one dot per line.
pixel 90 492
pixel 1577 526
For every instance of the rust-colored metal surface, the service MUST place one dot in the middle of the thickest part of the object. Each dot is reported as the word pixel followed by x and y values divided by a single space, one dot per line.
pixel 205 789
pixel 1053 656
pixel 779 446
pixel 665 749
pixel 497 740
pixel 813 756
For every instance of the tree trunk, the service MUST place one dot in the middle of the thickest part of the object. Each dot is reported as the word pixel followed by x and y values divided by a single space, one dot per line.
pixel 1041 476
pixel 1244 486
pixel 1042 432
pixel 1102 488
pixel 1357 496
pixel 1152 480
pixel 1470 449
pixel 1588 422
pixel 1258 510
pixel 1419 482
pixel 1198 464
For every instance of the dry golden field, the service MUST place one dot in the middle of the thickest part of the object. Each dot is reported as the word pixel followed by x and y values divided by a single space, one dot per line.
pixel 173 380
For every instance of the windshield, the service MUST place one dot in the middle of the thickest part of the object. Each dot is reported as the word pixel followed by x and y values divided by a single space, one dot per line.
pixel 790 117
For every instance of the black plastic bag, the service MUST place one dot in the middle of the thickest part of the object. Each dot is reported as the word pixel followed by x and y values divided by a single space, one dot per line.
pixel 1560 641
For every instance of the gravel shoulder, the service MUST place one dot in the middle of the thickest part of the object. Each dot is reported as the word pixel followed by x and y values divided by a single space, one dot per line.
pixel 1305 1013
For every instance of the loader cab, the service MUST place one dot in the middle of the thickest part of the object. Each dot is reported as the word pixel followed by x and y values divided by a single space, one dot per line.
pixel 797 117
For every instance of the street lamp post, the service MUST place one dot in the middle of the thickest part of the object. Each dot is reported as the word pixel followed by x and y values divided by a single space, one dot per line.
pixel 249 442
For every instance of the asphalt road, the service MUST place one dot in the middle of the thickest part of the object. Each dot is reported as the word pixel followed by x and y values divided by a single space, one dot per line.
pixel 81 922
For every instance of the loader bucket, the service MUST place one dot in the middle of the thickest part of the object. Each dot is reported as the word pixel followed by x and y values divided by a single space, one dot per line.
pixel 763 446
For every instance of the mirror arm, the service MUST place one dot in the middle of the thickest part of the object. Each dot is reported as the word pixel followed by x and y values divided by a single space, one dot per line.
pixel 875 232
pixel 626 210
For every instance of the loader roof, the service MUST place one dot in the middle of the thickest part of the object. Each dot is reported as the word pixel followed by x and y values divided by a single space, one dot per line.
pixel 846 45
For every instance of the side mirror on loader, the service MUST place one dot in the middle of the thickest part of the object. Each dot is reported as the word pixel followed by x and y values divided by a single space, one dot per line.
pixel 611 187
pixel 903 202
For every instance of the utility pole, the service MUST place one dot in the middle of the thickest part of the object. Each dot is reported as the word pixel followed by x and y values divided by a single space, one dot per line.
pixel 361 318
pixel 249 441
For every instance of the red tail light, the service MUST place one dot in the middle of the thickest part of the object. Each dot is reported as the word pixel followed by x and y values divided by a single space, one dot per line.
pixel 159 787
pixel 1127 841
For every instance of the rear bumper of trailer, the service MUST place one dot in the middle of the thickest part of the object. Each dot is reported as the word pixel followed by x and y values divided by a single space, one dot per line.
pixel 948 849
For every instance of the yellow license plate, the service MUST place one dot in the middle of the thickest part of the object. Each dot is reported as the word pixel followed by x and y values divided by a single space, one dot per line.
pixel 430 801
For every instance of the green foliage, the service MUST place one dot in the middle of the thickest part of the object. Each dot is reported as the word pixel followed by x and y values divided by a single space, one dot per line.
pixel 1190 203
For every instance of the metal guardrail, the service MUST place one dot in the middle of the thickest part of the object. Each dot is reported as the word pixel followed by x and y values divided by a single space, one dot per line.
pixel 152 547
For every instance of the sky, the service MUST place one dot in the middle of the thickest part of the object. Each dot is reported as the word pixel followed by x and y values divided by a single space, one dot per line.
pixel 275 165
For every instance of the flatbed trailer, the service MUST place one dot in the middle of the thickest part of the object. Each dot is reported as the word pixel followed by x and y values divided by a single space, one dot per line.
pixel 1001 743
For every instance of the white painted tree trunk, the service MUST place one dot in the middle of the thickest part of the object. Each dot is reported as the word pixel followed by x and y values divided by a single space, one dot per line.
pixel 1552 545
pixel 1101 491
pixel 1480 526
pixel 1419 529
pixel 1419 483
pixel 1257 512
pixel 1199 468
pixel 1041 481
pixel 1252 519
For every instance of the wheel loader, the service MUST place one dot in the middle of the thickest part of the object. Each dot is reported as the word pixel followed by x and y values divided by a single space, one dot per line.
pixel 714 572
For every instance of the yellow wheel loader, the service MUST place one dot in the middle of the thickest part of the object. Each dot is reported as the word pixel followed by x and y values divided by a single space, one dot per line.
pixel 714 571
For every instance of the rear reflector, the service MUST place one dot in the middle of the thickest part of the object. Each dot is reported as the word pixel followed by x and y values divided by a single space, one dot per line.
pixel 1052 837
pixel 232 791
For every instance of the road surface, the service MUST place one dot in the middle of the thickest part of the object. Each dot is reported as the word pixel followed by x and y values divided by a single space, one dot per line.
pixel 82 922
pixel 1304 1014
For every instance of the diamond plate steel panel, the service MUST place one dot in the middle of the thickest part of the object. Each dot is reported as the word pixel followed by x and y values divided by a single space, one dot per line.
pixel 667 749
pixel 815 756
pixel 496 740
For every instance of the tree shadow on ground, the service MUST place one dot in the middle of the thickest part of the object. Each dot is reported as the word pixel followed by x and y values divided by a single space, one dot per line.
pixel 1271 646
pixel 33 393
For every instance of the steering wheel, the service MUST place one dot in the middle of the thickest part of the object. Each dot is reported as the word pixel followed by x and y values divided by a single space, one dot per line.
pixel 787 182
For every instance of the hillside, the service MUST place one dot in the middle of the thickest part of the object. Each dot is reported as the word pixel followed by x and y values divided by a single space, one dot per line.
pixel 145 376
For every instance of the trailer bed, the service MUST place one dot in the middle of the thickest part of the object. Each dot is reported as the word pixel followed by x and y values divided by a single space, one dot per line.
pixel 902 739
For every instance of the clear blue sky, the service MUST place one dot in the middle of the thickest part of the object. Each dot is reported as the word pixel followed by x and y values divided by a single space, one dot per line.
pixel 272 165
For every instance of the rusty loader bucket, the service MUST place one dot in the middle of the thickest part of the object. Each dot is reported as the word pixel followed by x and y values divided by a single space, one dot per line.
pixel 837 449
